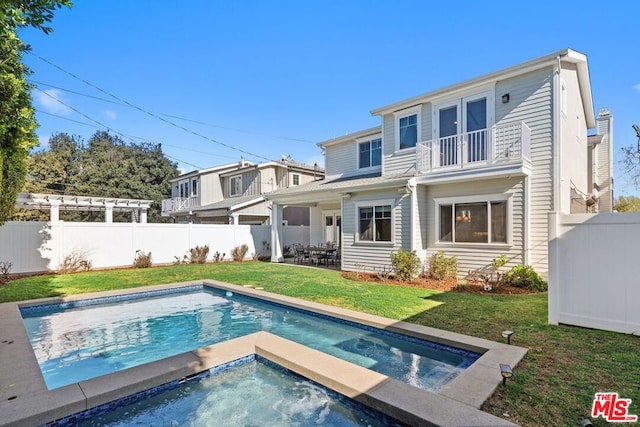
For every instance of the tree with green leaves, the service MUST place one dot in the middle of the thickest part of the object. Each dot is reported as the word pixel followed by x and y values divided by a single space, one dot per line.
pixel 627 204
pixel 17 118
pixel 104 166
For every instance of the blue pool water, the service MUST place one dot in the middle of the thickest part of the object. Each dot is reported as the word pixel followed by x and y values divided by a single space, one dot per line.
pixel 278 398
pixel 86 341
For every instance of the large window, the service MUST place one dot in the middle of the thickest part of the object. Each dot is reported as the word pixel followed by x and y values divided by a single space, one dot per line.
pixel 477 222
pixel 235 185
pixel 408 127
pixel 370 153
pixel 375 223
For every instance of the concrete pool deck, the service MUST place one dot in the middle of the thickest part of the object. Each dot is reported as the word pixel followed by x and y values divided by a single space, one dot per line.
pixel 25 400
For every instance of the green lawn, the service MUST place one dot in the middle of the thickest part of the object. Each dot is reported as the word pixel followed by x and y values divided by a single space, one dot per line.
pixel 553 386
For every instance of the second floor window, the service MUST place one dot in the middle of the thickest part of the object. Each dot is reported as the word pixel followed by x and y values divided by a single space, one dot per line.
pixel 235 184
pixel 408 127
pixel 194 187
pixel 295 179
pixel 370 153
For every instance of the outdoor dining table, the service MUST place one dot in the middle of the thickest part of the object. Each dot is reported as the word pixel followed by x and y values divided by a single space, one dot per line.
pixel 317 253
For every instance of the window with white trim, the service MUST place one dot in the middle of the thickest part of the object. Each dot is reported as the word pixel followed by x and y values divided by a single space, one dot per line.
pixel 295 179
pixel 473 222
pixel 370 153
pixel 374 223
pixel 235 185
pixel 194 187
pixel 408 131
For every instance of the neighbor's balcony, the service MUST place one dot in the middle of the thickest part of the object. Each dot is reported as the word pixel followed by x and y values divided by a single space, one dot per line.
pixel 510 143
pixel 178 204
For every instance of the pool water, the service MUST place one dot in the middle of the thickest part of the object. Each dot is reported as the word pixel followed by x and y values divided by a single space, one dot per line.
pixel 79 343
pixel 277 398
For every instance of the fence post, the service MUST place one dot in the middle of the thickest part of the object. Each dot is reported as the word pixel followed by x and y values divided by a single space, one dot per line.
pixel 554 302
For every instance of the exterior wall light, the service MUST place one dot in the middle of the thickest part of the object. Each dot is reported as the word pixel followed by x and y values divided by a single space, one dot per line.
pixel 507 334
pixel 505 98
pixel 506 372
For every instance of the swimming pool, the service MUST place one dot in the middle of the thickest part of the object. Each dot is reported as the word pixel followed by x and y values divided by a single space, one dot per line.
pixel 26 400
pixel 219 398
pixel 86 339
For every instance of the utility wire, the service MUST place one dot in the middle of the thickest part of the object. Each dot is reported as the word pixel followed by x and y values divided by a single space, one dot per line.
pixel 136 137
pixel 171 115
pixel 148 112
pixel 105 126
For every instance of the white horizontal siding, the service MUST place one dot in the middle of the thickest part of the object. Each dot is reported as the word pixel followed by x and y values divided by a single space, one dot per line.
pixel 531 102
pixel 341 159
pixel 474 257
pixel 400 162
pixel 369 257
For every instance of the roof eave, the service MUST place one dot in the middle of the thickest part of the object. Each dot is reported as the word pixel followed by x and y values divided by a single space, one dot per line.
pixel 350 137
pixel 484 79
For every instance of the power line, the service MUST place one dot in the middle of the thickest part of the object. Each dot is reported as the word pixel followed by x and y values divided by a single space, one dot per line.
pixel 148 112
pixel 136 137
pixel 173 116
pixel 105 126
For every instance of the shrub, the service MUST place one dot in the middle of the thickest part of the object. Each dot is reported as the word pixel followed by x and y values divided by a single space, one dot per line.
pixel 217 257
pixel 5 269
pixel 442 267
pixel 76 260
pixel 199 254
pixel 524 276
pixel 239 252
pixel 143 260
pixel 406 265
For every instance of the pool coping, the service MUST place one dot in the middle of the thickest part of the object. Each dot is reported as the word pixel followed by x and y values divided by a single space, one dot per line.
pixel 456 403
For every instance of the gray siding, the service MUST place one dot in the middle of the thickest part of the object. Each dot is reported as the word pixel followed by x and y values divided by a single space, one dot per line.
pixel 210 190
pixel 473 257
pixel 340 159
pixel 605 165
pixel 531 102
pixel 369 257
pixel 402 161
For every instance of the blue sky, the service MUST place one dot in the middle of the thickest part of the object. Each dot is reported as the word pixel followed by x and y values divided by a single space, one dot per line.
pixel 275 77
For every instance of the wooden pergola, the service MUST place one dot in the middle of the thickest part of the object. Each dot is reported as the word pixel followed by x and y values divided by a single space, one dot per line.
pixel 56 202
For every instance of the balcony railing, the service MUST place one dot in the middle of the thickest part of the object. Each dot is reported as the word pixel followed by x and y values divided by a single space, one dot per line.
pixel 179 204
pixel 486 147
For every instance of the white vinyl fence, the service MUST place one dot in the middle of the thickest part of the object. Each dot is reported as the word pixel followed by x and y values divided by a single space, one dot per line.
pixel 42 246
pixel 594 271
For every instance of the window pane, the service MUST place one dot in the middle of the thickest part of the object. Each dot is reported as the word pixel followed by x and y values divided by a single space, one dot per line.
pixel 328 220
pixel 365 155
pixel 296 179
pixel 471 223
pixel 408 131
pixel 366 223
pixel 383 223
pixel 376 152
pixel 446 227
pixel 194 187
pixel 499 222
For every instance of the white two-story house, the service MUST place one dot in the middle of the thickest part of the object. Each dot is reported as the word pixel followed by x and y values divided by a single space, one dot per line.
pixel 234 193
pixel 471 169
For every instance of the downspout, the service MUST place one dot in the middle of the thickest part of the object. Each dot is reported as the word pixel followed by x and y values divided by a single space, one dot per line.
pixel 411 189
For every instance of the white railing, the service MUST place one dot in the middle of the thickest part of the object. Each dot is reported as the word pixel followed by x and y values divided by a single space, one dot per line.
pixel 179 204
pixel 504 143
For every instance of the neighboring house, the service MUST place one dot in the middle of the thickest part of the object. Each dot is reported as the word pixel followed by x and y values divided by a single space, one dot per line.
pixel 234 193
pixel 471 169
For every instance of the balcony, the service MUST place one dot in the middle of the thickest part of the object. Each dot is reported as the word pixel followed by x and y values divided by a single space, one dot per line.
pixel 498 145
pixel 178 204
